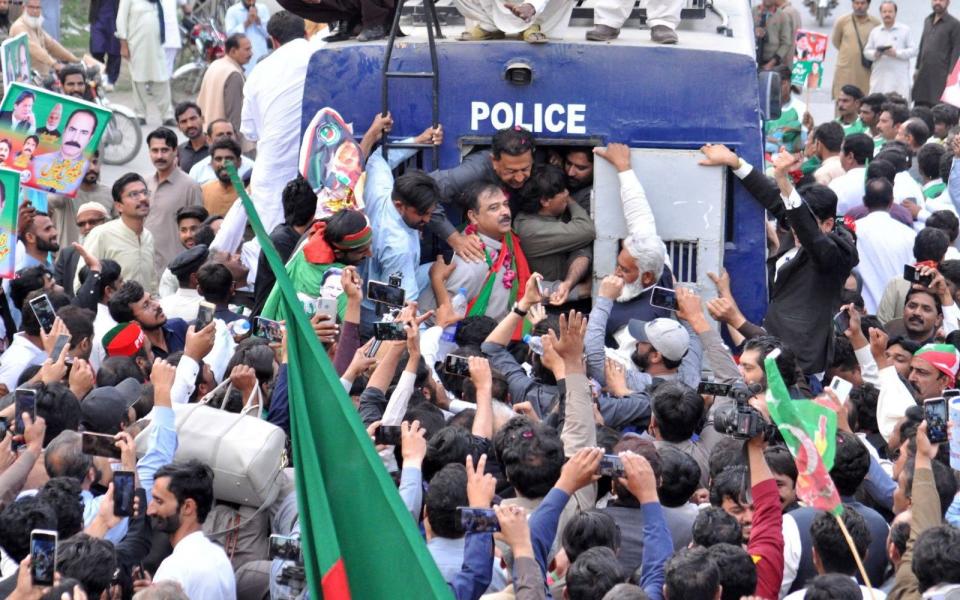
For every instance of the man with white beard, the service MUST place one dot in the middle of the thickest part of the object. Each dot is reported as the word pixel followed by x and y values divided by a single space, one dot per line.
pixel 45 52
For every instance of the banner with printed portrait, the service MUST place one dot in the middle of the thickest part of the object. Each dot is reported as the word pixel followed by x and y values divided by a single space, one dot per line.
pixel 9 203
pixel 15 60
pixel 49 138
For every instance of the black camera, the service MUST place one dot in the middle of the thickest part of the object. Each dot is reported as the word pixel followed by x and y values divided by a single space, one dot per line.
pixel 741 420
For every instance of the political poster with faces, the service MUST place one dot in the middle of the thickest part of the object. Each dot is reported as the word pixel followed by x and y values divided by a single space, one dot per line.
pixel 15 60
pixel 49 138
pixel 9 203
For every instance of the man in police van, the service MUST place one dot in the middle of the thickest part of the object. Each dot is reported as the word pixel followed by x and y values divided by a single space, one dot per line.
pixel 663 16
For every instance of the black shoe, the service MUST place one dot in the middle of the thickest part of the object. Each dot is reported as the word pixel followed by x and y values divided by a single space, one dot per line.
pixel 142 121
pixel 169 123
pixel 377 32
pixel 343 33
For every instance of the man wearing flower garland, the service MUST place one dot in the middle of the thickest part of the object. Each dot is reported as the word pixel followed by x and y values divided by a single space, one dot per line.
pixel 492 286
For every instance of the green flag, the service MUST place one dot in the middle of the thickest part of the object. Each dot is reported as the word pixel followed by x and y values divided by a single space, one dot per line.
pixel 358 538
pixel 810 431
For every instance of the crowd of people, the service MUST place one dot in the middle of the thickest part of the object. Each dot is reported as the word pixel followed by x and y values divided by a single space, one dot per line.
pixel 460 311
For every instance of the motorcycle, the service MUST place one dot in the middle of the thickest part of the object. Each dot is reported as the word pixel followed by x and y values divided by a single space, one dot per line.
pixel 209 44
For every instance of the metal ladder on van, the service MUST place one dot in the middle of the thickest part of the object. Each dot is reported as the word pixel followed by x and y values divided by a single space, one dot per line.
pixel 432 23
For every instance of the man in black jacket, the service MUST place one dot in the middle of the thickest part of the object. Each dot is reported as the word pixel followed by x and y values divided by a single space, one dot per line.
pixel 806 277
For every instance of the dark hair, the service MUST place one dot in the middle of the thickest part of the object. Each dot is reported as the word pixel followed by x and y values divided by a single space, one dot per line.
pixel 729 483
pixel 117 368
pixel 931 244
pixel 943 480
pixel 163 133
pixel 945 221
pixel 515 141
pixel 129 293
pixel 691 573
pixel 881 168
pixel 184 107
pixel 923 113
pixel 625 591
pixel 928 160
pixel 852 91
pixel 473 330
pixel 430 417
pixel 190 479
pixel 91 560
pixel 68 70
pixel 18 519
pixel 631 443
pixel 738 574
pixel 899 535
pixel 833 586
pixel 946 163
pixel 545 182
pixel 897 153
pixel 215 282
pixel 830 134
pixel 233 42
pixel 58 406
pixel 23 96
pixel 936 299
pixel 447 491
pixel 864 399
pixel 228 144
pixel 781 462
pixel 714 525
pixel 678 409
pixel 936 556
pixel 343 223
pixel 476 190
pixel 875 101
pixel 79 322
pixel 593 574
pixel 63 494
pixel 898 112
pixel 589 529
pixel 917 129
pixel 286 26
pixel 945 113
pixel 192 212
pixel 417 190
pixel 205 234
pixel 450 445
pixel 860 145
pixel 64 457
pixel 950 269
pixel 299 202
pixel 216 122
pixel 727 452
pixel 680 477
pixel 829 543
pixel 530 454
pixel 27 280
pixel 821 200
pixel 117 190
pixel 878 194
pixel 850 465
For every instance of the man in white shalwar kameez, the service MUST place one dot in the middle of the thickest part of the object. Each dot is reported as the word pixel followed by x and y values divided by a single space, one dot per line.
pixel 139 27
pixel 535 19
pixel 890 48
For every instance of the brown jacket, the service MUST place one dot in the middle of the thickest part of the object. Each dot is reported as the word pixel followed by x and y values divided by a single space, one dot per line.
pixel 925 513
pixel 44 50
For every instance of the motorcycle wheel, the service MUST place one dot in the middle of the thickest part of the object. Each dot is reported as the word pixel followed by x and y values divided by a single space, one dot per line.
pixel 121 140
pixel 822 15
pixel 186 86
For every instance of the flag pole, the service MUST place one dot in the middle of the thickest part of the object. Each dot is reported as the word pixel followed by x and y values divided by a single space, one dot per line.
pixel 856 555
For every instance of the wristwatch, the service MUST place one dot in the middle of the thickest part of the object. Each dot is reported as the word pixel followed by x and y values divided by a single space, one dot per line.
pixel 519 311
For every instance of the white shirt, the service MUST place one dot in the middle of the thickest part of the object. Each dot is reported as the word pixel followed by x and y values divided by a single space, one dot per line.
pixel 200 567
pixel 864 591
pixel 182 304
pixel 202 172
pixel 849 189
pixel 884 245
pixel 272 102
pixel 905 186
pixel 890 73
pixel 15 360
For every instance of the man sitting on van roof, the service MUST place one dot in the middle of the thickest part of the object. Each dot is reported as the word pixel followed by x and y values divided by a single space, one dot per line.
pixel 663 16
pixel 533 20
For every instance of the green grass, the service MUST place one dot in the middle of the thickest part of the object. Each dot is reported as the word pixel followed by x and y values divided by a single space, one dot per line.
pixel 75 27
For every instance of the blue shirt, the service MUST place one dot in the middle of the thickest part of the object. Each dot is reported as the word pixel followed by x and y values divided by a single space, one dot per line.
pixel 175 334
pixel 396 247
pixel 235 17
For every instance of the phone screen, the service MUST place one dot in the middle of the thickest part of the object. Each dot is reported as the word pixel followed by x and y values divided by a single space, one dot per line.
pixel 841 322
pixel 935 414
pixel 389 331
pixel 611 466
pixel 43 556
pixel 123 493
pixel 25 401
pixel 478 520
pixel 663 298
pixel 99 444
pixel 385 294
pixel 456 365
pixel 204 315
pixel 387 435
pixel 709 388
pixel 284 547
pixel 43 310
pixel 272 331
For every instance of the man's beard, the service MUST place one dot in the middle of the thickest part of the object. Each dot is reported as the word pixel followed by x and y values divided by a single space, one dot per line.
pixel 575 185
pixel 34 22
pixel 641 360
pixel 168 525
pixel 631 290
pixel 47 246
pixel 91 178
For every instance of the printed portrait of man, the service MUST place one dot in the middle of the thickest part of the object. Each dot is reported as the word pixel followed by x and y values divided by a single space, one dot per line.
pixel 62 171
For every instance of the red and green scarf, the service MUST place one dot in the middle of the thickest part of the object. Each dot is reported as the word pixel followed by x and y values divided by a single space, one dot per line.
pixel 515 277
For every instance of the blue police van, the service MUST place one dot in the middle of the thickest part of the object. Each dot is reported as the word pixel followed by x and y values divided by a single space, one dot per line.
pixel 664 102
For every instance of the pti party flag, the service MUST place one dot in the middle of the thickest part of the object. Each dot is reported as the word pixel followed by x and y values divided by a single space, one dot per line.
pixel 810 430
pixel 15 59
pixel 9 205
pixel 332 162
pixel 50 138
pixel 811 45
pixel 951 92
pixel 358 539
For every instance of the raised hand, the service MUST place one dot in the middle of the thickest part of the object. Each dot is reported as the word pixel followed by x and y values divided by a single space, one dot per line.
pixel 481 486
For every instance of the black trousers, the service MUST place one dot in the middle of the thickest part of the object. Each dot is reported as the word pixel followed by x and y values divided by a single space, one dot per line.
pixel 369 12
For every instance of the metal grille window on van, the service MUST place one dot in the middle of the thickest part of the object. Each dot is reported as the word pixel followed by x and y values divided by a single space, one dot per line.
pixel 683 259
